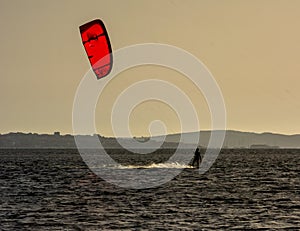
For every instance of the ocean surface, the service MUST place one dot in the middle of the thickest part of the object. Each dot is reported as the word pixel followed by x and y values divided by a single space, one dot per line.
pixel 244 189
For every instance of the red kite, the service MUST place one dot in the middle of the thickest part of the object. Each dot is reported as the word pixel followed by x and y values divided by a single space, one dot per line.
pixel 97 46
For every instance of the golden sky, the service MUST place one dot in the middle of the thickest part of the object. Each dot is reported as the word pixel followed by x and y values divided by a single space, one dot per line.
pixel 252 48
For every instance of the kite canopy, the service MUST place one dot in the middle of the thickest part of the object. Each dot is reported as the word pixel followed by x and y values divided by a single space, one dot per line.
pixel 97 46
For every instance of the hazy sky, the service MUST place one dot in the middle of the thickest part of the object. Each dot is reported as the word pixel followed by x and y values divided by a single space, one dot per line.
pixel 252 48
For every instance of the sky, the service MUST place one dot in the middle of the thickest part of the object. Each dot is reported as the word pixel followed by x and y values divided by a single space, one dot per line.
pixel 252 49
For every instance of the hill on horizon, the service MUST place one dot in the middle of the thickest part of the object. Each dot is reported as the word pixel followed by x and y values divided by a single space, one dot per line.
pixel 233 139
pixel 238 139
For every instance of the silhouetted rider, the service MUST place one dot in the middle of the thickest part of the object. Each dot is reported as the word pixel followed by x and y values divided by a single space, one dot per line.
pixel 197 158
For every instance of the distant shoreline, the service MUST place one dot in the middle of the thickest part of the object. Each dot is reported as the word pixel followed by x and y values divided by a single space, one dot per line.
pixel 233 140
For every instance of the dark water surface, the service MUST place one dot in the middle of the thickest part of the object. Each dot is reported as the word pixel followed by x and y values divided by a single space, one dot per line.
pixel 244 189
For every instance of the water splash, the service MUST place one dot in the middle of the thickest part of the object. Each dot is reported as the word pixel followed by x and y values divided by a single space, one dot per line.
pixel 153 165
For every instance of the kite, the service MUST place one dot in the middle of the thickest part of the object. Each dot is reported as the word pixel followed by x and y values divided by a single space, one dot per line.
pixel 97 46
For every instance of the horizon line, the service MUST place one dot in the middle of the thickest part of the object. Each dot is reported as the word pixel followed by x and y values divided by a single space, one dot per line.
pixel 142 136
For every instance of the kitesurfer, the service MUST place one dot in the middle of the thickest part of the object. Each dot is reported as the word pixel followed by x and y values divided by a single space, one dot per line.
pixel 197 158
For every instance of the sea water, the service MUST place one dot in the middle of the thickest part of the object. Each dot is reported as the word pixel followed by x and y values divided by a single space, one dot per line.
pixel 244 189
